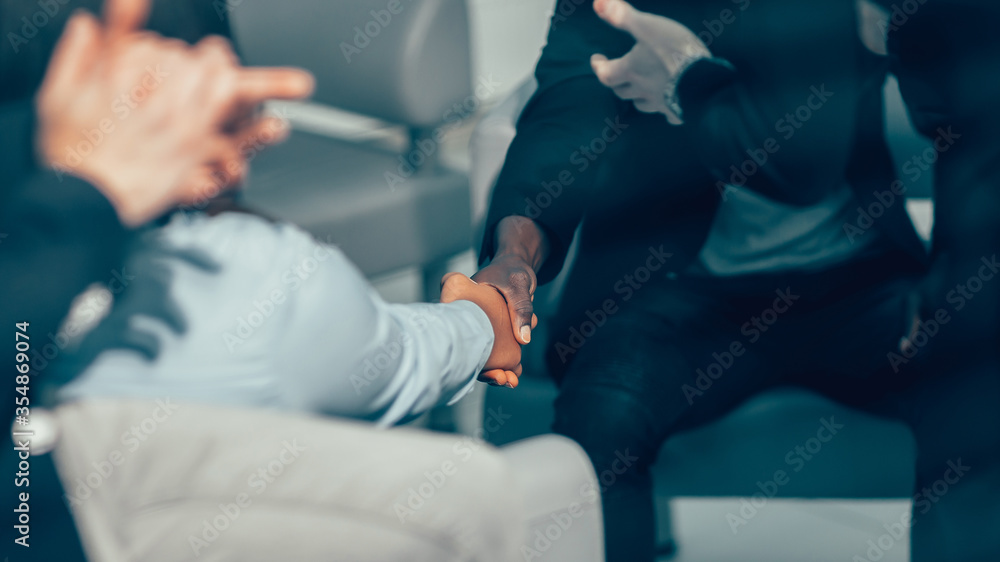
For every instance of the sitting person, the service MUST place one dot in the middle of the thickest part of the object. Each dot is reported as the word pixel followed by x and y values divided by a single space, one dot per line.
pixel 158 486
pixel 748 240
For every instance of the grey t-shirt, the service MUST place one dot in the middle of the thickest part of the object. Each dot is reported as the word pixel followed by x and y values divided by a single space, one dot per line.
pixel 753 234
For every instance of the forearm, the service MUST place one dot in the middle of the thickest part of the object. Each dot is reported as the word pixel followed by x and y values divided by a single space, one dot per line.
pixel 441 349
pixel 521 238
pixel 550 171
pixel 354 354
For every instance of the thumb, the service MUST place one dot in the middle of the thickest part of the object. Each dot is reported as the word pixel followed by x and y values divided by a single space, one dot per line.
pixel 123 17
pixel 453 285
pixel 521 314
pixel 618 13
pixel 644 27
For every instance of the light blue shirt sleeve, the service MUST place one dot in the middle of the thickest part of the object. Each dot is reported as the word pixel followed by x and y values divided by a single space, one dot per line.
pixel 278 320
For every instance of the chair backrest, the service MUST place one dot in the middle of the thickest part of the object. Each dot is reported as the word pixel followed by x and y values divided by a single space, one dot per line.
pixel 403 61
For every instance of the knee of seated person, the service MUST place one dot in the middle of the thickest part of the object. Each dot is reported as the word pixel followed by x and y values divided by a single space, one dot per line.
pixel 608 425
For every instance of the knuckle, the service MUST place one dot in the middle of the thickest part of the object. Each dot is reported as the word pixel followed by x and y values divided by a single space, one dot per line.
pixel 521 280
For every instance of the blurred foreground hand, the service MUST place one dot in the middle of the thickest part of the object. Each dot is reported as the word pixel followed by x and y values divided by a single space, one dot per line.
pixel 147 119
pixel 648 74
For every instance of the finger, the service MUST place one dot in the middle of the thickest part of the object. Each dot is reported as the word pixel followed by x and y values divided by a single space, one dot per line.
pixel 123 17
pixel 263 132
pixel 622 15
pixel 207 183
pixel 521 310
pixel 226 165
pixel 617 13
pixel 611 73
pixel 673 118
pixel 518 370
pixel 626 92
pixel 453 286
pixel 534 321
pixel 646 106
pixel 76 52
pixel 511 379
pixel 496 377
pixel 257 85
pixel 448 276
pixel 219 45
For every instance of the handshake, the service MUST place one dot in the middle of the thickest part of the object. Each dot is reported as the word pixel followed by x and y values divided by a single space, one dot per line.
pixel 503 368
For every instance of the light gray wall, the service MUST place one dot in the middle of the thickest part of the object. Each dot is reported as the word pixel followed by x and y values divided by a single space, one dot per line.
pixel 507 38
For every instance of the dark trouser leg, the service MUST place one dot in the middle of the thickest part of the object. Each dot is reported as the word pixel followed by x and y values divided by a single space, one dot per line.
pixel 955 416
pixel 624 394
pixel 672 362
pixel 949 399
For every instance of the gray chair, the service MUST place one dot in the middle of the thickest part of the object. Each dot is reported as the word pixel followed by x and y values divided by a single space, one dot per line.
pixel 871 458
pixel 404 63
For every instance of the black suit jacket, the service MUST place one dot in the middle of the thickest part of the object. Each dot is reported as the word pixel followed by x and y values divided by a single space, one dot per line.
pixel 59 236
pixel 798 86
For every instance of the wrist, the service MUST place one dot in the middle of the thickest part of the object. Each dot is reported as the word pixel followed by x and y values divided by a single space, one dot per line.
pixel 132 205
pixel 521 238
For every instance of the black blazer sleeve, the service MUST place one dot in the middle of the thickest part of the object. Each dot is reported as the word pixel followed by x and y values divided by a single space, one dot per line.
pixel 776 111
pixel 59 235
pixel 547 176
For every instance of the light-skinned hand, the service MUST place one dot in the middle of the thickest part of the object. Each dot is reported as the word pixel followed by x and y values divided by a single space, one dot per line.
pixel 145 119
pixel 503 368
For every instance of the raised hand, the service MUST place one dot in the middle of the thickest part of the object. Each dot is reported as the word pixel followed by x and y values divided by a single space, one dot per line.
pixel 146 119
pixel 647 74
pixel 504 364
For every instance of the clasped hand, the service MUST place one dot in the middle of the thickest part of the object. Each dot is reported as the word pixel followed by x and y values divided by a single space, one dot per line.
pixel 503 368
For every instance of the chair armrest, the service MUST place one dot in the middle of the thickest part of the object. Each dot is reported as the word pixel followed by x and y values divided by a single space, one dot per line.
pixel 561 491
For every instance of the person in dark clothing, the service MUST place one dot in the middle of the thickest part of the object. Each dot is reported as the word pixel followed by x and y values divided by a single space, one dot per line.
pixel 67 225
pixel 762 242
